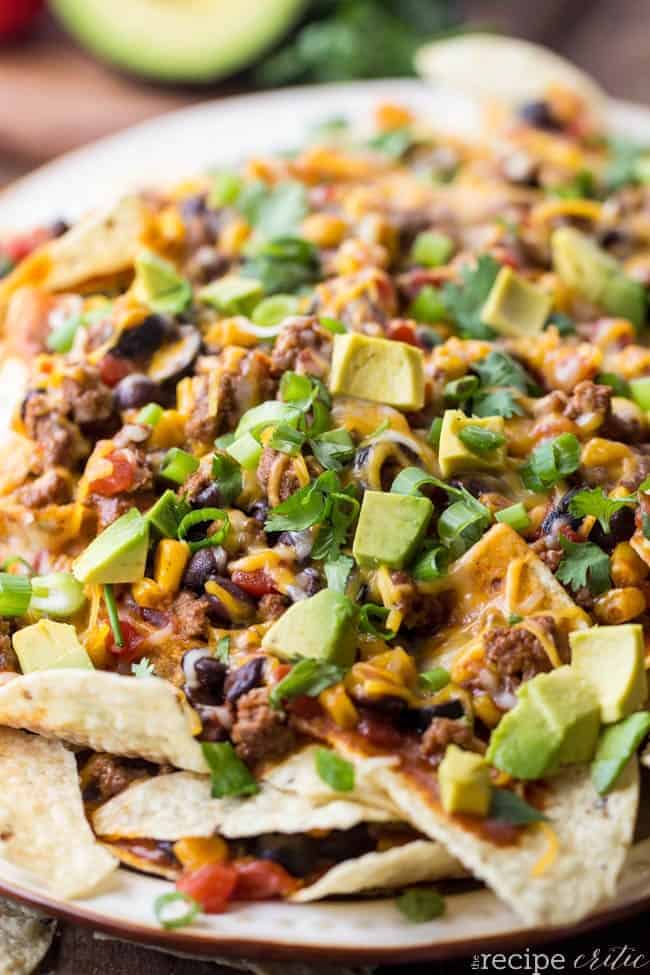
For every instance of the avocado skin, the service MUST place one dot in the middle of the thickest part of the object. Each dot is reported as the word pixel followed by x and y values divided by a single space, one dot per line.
pixel 323 627
pixel 390 528
pixel 612 659
pixel 48 645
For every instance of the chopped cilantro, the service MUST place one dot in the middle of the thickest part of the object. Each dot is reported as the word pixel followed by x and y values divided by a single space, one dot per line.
pixel 620 386
pixel 337 572
pixel 500 369
pixel 283 264
pixel 334 770
pixel 550 462
pixel 421 904
pixel 594 501
pixel 584 564
pixel 143 668
pixel 309 676
pixel 227 474
pixel 508 807
pixel 563 323
pixel 275 211
pixel 465 301
pixel 230 777
pixel 222 651
pixel 496 402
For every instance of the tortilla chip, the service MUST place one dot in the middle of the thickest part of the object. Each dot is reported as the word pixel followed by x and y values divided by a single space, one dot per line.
pixel 412 863
pixel 25 938
pixel 171 807
pixel 139 718
pixel 541 884
pixel 43 828
pixel 100 245
pixel 500 574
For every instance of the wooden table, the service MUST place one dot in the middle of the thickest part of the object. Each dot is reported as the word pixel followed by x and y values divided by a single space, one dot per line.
pixel 55 98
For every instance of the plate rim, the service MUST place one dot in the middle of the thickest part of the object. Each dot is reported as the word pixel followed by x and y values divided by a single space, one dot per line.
pixel 210 943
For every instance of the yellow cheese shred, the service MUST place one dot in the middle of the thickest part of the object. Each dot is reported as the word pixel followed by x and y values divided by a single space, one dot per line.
pixel 549 855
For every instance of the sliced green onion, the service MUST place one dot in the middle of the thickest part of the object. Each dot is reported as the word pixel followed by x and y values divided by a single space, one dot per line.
pixel 516 516
pixel 12 560
pixel 411 479
pixel 431 565
pixel 309 677
pixel 230 777
pixel 226 187
pixel 113 617
pixel 165 908
pixel 200 517
pixel 246 450
pixel 332 325
pixel 435 430
pixel 370 611
pixel 435 679
pixel 61 338
pixel 421 904
pixel 480 440
pixel 167 513
pixel 267 414
pixel 57 594
pixel 640 390
pixel 461 525
pixel 273 310
pixel 150 414
pixel 459 390
pixel 15 594
pixel 222 651
pixel 178 465
pixel 428 307
pixel 287 439
pixel 432 249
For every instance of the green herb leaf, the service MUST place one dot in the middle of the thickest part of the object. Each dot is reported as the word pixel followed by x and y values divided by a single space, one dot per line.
pixel 594 501
pixel 584 564
pixel 309 677
pixel 564 324
pixel 302 509
pixel 284 264
pixel 230 777
pixel 434 680
pixel 287 439
pixel 370 611
pixel 500 369
pixel 616 745
pixel 227 474
pixel 421 904
pixel 508 807
pixel 514 618
pixel 275 211
pixel 337 572
pixel 431 564
pixel 113 617
pixel 459 390
pixel 334 770
pixel 551 462
pixel 222 651
pixel 496 402
pixel 333 449
pixel 465 301
pixel 620 386
pixel 143 668
pixel 394 143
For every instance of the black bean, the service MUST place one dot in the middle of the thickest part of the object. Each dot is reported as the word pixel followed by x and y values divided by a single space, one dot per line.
pixel 540 114
pixel 621 529
pixel 143 339
pixel 419 719
pixel 134 391
pixel 312 581
pixel 194 206
pixel 259 510
pixel 244 679
pixel 297 853
pixel 217 611
pixel 59 227
pixel 211 675
pixel 560 515
pixel 204 564
pixel 209 497
pixel 344 844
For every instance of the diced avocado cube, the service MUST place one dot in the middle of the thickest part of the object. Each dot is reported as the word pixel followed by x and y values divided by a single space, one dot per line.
pixel 233 295
pixel 455 457
pixel 158 284
pixel 615 748
pixel 118 554
pixel 323 627
pixel 640 390
pixel 376 369
pixel 514 306
pixel 524 744
pixel 571 706
pixel 464 780
pixel 390 528
pixel 47 645
pixel 612 660
pixel 593 273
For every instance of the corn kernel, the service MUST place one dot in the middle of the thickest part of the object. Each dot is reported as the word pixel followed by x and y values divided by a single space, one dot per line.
pixel 233 237
pixel 338 705
pixel 147 593
pixel 626 567
pixel 486 710
pixel 169 564
pixel 96 645
pixel 198 852
pixel 619 605
pixel 324 229
pixel 238 611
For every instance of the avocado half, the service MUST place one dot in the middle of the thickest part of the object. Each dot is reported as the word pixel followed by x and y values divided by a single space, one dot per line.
pixel 178 40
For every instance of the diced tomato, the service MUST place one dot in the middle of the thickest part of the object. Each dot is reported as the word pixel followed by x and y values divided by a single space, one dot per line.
pixel 257 583
pixel 112 369
pixel 305 707
pixel 401 330
pixel 18 247
pixel 120 479
pixel 212 886
pixel 17 15
pixel 132 640
pixel 262 880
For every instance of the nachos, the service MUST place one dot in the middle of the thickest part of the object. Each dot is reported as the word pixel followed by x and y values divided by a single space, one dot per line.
pixel 325 524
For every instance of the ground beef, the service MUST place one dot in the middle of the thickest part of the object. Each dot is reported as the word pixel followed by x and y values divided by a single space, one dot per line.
pixel 272 606
pixel 196 483
pixel 302 346
pixel 549 550
pixel 289 482
pixel 421 611
pixel 516 654
pixel 60 440
pixel 204 425
pixel 85 397
pixel 107 776
pixel 8 658
pixel 50 488
pixel 108 510
pixel 190 615
pixel 442 732
pixel 260 732
pixel 589 399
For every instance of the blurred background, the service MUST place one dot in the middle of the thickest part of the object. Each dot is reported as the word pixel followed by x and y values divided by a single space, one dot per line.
pixel 75 70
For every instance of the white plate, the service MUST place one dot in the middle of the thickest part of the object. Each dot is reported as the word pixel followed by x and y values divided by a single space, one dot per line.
pixel 173 147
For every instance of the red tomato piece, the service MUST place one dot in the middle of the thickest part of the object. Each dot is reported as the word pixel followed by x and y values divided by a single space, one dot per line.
pixel 120 479
pixel 262 880
pixel 132 640
pixel 19 246
pixel 112 369
pixel 212 886
pixel 379 733
pixel 257 583
pixel 402 331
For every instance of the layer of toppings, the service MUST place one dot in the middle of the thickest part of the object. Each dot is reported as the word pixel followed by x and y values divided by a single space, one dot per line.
pixel 334 387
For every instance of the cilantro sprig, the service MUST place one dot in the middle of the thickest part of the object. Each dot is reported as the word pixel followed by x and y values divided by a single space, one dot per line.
pixel 594 501
pixel 584 564
pixel 550 462
pixel 465 301
pixel 323 502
